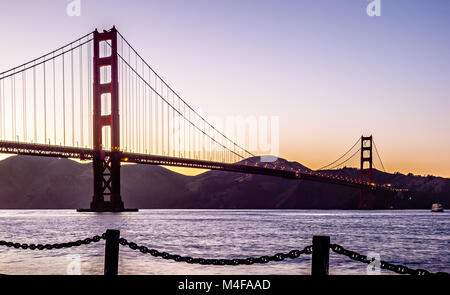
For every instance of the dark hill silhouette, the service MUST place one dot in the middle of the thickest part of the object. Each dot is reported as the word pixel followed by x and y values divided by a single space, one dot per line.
pixel 36 183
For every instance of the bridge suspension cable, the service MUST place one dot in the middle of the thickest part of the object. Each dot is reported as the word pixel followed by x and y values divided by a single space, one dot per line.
pixel 180 98
pixel 341 157
pixel 345 161
pixel 154 118
pixel 181 130
pixel 39 88
pixel 378 155
pixel 42 58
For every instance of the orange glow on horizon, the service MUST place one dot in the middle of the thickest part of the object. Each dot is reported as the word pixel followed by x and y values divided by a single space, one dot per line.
pixel 418 168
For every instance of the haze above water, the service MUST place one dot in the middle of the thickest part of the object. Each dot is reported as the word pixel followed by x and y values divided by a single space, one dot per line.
pixel 416 238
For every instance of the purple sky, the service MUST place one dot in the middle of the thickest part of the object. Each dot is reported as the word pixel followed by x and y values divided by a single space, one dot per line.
pixel 327 69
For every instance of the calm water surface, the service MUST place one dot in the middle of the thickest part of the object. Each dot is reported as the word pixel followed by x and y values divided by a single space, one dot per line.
pixel 416 238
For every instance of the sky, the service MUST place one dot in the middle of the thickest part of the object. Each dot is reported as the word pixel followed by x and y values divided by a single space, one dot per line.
pixel 326 69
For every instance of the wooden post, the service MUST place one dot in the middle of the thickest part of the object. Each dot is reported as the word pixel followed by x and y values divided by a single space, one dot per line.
pixel 112 252
pixel 320 255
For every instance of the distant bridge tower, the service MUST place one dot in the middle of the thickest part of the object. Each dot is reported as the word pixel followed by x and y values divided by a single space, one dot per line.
pixel 366 157
pixel 365 201
pixel 106 169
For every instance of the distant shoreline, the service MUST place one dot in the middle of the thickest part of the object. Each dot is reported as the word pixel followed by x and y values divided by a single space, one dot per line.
pixel 48 183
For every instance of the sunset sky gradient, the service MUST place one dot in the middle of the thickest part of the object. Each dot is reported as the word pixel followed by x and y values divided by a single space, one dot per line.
pixel 327 69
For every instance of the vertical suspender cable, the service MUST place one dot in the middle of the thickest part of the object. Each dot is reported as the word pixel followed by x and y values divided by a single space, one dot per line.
pixel 172 128
pixel 45 106
pixel 13 106
pixel 189 136
pixel 24 104
pixel 141 115
pixel 154 146
pixel 64 100
pixel 128 103
pixel 125 105
pixel 184 130
pixel 90 127
pixel 81 96
pixel 173 124
pixel 54 100
pixel 133 108
pixel 179 129
pixel 144 88
pixel 138 112
pixel 150 112
pixel 163 123
pixel 1 109
pixel 156 121
pixel 167 121
pixel 121 87
pixel 202 141
pixel 151 119
pixel 160 125
pixel 73 96
pixel 169 126
pixel 34 104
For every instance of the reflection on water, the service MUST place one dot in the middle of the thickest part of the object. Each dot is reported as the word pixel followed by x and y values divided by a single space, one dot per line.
pixel 416 238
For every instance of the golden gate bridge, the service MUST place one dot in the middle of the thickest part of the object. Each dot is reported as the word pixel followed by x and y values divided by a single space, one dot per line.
pixel 97 99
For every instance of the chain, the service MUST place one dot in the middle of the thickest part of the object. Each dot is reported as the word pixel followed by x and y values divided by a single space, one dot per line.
pixel 247 261
pixel 77 243
pixel 401 269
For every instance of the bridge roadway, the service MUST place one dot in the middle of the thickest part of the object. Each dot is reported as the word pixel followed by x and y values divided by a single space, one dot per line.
pixel 44 150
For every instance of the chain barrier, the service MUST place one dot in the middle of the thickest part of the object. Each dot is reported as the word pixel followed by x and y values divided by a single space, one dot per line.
pixel 238 261
pixel 77 243
pixel 400 269
pixel 397 268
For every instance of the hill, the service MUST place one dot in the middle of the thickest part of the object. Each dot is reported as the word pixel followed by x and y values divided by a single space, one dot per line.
pixel 49 183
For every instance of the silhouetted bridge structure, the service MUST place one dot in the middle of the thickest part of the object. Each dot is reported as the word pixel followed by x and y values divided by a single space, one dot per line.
pixel 66 104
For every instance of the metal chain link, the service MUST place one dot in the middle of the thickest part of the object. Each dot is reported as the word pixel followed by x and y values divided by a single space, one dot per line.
pixel 238 261
pixel 77 243
pixel 401 269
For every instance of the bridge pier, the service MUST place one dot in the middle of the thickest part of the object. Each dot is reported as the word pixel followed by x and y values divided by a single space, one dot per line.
pixel 366 200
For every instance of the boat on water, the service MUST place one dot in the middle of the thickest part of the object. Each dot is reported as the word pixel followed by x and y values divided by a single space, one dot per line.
pixel 437 207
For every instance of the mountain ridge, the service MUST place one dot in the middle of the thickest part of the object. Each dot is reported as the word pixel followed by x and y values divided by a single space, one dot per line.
pixel 28 182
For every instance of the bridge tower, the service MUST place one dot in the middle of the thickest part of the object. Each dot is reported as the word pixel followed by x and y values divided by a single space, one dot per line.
pixel 365 200
pixel 106 168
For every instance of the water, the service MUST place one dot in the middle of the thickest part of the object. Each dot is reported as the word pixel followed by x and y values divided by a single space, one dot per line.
pixel 416 238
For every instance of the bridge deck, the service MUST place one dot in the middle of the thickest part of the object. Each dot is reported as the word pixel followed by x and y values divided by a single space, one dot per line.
pixel 8 147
